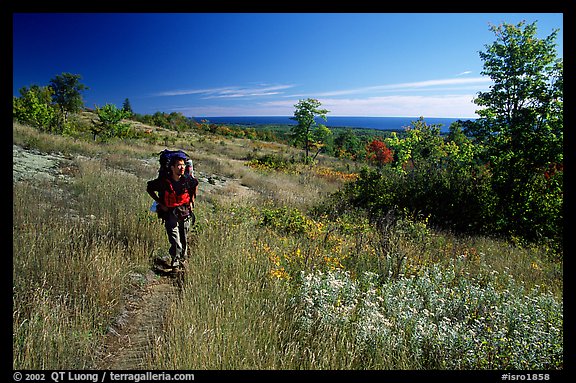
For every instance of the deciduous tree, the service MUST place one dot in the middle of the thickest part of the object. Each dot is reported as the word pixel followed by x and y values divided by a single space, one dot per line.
pixel 521 123
pixel 379 153
pixel 305 114
pixel 67 93
pixel 34 107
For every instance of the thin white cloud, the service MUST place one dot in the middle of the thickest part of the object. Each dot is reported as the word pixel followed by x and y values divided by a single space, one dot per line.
pixel 236 110
pixel 407 86
pixel 449 81
pixel 241 94
pixel 183 92
pixel 229 92
pixel 464 73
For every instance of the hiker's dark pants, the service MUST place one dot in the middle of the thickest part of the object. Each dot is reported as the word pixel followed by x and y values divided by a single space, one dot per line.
pixel 177 231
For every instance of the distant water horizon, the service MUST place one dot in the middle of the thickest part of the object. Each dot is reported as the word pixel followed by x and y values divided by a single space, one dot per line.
pixel 379 123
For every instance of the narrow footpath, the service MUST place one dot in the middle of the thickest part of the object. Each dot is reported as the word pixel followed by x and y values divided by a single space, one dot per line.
pixel 129 341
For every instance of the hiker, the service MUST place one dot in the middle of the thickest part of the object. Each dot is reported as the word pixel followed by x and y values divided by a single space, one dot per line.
pixel 175 195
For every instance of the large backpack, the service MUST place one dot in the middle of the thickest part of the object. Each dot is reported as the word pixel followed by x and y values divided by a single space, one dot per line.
pixel 164 172
pixel 165 158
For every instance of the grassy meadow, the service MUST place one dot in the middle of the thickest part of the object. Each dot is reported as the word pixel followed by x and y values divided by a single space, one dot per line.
pixel 272 283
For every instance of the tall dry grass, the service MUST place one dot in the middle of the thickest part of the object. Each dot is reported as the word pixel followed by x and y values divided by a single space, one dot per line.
pixel 76 250
pixel 231 313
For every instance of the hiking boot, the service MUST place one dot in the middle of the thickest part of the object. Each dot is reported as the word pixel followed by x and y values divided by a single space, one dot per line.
pixel 166 260
pixel 175 263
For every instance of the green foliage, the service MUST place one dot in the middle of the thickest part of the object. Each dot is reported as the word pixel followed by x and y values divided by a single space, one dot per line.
pixel 33 107
pixel 431 175
pixel 308 132
pixel 270 162
pixel 126 107
pixel 521 127
pixel 421 145
pixel 67 93
pixel 323 140
pixel 287 220
pixel 347 145
pixel 173 121
pixel 47 108
pixel 109 122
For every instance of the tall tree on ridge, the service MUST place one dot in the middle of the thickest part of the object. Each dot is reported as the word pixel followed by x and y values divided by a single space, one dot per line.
pixel 67 96
pixel 521 125
pixel 305 114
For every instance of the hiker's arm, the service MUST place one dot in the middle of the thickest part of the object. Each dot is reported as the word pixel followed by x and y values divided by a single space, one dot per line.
pixel 152 193
pixel 154 196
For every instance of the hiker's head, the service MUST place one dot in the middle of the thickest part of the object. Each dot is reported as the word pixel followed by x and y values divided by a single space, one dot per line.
pixel 177 166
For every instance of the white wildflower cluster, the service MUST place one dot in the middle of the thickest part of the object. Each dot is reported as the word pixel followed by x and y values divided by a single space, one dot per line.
pixel 329 298
pixel 439 318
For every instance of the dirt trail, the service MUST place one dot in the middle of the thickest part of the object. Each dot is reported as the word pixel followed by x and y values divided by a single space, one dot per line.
pixel 136 330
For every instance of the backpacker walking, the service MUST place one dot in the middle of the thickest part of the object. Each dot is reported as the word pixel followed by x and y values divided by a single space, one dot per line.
pixel 174 191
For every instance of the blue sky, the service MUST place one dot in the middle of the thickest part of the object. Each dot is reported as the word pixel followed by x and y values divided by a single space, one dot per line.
pixel 261 64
